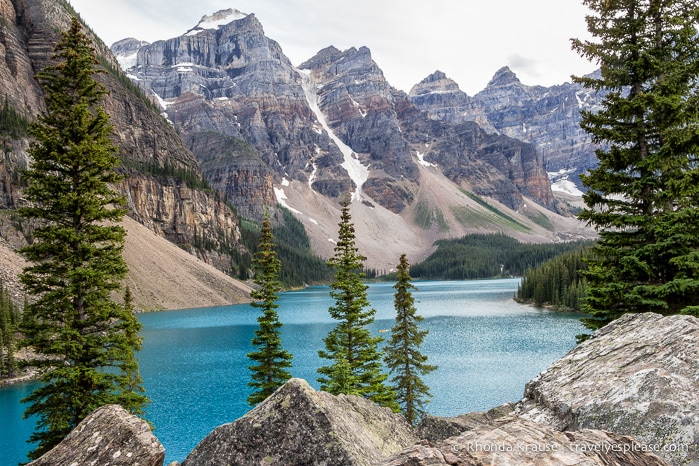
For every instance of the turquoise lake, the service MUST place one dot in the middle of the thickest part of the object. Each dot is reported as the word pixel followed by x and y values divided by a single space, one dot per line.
pixel 195 370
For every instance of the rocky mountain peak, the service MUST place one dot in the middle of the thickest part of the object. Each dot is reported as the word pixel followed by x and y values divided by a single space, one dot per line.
pixel 504 77
pixel 216 20
pixel 436 82
pixel 443 100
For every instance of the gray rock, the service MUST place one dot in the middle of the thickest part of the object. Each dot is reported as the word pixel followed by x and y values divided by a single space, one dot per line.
pixel 637 376
pixel 110 436
pixel 299 426
pixel 514 442
pixel 436 428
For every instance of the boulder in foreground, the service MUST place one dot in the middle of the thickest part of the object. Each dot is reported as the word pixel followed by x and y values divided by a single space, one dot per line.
pixel 299 426
pixel 110 436
pixel 637 376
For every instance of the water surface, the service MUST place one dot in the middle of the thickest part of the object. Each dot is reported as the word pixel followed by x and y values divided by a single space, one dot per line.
pixel 195 371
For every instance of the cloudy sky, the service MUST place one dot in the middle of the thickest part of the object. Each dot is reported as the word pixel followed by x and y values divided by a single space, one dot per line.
pixel 469 40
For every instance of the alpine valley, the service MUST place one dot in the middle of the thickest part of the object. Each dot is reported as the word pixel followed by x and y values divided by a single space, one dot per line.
pixel 217 125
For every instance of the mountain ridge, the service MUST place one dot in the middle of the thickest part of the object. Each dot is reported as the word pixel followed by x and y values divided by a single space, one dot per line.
pixel 334 125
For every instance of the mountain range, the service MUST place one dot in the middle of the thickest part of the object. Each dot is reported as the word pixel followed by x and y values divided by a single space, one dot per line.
pixel 217 125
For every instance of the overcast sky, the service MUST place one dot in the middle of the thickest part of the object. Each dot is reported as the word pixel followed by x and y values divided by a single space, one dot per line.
pixel 469 40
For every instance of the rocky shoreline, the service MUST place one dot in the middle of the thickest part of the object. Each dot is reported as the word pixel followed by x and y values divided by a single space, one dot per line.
pixel 627 396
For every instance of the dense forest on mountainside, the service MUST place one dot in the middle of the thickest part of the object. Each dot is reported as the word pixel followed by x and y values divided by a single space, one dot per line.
pixel 487 256
pixel 299 266
pixel 558 282
pixel 9 320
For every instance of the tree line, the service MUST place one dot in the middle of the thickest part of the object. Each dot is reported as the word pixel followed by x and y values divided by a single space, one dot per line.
pixel 558 282
pixel 487 256
pixel 9 325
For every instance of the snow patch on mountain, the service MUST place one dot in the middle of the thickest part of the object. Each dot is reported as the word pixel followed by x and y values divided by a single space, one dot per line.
pixel 561 183
pixel 218 19
pixel 357 172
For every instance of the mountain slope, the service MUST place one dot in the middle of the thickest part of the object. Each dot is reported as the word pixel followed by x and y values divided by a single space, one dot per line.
pixel 164 186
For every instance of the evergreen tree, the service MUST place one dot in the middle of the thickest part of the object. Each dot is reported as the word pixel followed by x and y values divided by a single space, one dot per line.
pixel 643 194
pixel 9 320
pixel 272 360
pixel 403 356
pixel 85 340
pixel 356 359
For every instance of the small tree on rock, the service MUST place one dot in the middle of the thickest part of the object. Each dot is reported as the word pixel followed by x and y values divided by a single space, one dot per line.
pixel 403 356
pixel 356 366
pixel 84 340
pixel 272 361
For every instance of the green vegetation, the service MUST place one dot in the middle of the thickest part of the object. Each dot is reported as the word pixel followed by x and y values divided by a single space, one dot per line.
pixel 191 178
pixel 299 266
pixel 272 361
pixel 427 216
pixel 9 322
pixel 540 219
pixel 558 282
pixel 474 218
pixel 486 256
pixel 644 194
pixel 403 356
pixel 355 357
pixel 85 342
pixel 12 122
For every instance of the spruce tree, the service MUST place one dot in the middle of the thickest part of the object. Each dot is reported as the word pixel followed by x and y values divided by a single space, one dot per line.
pixel 403 356
pixel 355 356
pixel 643 196
pixel 85 341
pixel 272 361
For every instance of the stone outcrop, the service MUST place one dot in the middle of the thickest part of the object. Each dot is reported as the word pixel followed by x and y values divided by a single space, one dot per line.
pixel 637 376
pixel 110 436
pixel 515 442
pixel 297 425
pixel 436 428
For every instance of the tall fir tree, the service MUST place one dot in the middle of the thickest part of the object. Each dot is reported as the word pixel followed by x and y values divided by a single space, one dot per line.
pixel 272 361
pixel 356 366
pixel 643 196
pixel 403 356
pixel 84 340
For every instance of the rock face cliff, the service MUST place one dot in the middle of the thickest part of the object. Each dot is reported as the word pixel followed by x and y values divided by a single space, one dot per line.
pixel 241 108
pixel 165 187
pixel 637 376
pixel 546 117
